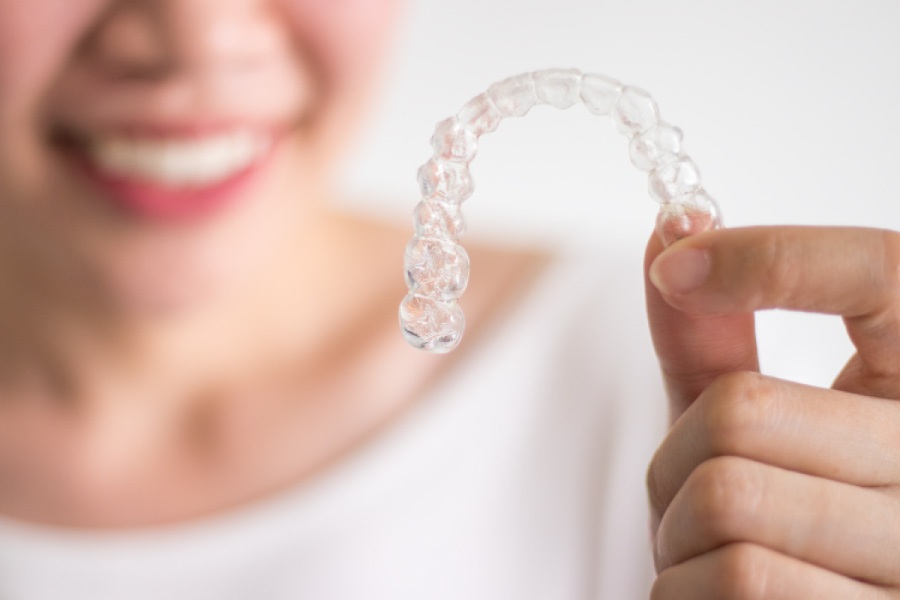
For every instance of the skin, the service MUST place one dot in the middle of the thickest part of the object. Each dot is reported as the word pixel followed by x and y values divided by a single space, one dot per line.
pixel 765 488
pixel 151 371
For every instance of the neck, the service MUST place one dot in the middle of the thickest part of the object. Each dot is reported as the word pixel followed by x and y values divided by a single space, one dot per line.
pixel 59 328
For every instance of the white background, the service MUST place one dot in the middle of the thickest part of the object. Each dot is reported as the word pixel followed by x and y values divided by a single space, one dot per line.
pixel 791 109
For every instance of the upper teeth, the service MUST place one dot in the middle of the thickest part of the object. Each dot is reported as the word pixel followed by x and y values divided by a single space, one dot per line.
pixel 179 162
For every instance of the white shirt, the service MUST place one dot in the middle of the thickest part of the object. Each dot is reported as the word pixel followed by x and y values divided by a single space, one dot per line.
pixel 519 476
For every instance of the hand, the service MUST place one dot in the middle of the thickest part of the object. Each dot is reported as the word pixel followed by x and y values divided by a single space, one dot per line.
pixel 767 489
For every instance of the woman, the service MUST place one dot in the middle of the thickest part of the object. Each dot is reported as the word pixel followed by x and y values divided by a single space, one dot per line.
pixel 194 340
pixel 197 350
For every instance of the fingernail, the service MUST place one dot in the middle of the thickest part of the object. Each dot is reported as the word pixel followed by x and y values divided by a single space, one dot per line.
pixel 680 272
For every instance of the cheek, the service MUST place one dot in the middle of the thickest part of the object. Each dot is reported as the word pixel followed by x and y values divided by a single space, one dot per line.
pixel 36 38
pixel 346 37
pixel 346 42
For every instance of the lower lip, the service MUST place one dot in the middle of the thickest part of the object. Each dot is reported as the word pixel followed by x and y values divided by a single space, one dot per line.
pixel 156 201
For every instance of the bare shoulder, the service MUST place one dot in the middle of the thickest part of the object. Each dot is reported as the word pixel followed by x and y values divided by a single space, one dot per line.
pixel 500 273
pixel 496 269
pixel 500 277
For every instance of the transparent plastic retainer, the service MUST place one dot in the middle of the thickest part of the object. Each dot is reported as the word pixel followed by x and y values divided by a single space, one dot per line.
pixel 437 267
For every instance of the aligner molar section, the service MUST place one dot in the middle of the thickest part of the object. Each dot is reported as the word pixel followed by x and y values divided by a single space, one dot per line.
pixel 438 219
pixel 558 87
pixel 431 325
pixel 514 96
pixel 599 94
pixel 436 268
pixel 453 142
pixel 448 180
pixel 635 112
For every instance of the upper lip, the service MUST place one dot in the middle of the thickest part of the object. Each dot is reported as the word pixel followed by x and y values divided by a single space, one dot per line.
pixel 74 134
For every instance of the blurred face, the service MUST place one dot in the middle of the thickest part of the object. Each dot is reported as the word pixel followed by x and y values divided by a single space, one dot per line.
pixel 160 151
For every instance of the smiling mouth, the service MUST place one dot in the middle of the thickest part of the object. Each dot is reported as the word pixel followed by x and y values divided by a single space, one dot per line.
pixel 184 163
pixel 174 174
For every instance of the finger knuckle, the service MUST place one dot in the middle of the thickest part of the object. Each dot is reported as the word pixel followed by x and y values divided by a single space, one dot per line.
pixel 773 258
pixel 739 410
pixel 738 572
pixel 663 587
pixel 724 495
pixel 656 486
pixel 743 572
pixel 890 248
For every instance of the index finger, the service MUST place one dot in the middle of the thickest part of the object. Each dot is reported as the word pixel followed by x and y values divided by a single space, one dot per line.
pixel 852 272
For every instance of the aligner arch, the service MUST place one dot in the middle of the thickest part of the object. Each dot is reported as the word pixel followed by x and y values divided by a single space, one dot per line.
pixel 437 267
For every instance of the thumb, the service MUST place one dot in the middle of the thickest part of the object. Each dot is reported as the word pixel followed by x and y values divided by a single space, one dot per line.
pixel 693 349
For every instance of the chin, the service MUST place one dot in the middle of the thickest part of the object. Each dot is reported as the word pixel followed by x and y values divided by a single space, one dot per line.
pixel 185 272
pixel 159 288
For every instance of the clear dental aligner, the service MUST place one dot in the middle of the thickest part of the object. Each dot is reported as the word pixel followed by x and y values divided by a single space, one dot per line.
pixel 437 267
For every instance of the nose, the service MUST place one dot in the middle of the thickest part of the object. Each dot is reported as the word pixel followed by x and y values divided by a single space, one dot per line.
pixel 158 38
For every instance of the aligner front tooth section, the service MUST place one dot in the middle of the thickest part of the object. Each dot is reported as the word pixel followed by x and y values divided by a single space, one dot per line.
pixel 655 147
pixel 443 179
pixel 635 111
pixel 436 268
pixel 438 219
pixel 432 325
pixel 691 214
pixel 558 87
pixel 479 115
pixel 514 96
pixel 599 94
pixel 669 182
